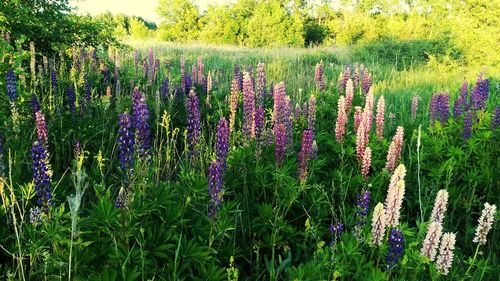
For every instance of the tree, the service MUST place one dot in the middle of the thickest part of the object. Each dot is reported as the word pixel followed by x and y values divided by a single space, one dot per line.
pixel 179 20
pixel 138 29
pixel 51 25
pixel 271 25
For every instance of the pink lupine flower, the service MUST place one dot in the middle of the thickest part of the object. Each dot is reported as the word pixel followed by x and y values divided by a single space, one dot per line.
pixel 341 120
pixel 361 140
pixel 431 241
pixel 394 152
pixel 367 160
pixel 445 258
pixel 368 111
pixel 233 104
pixel 358 116
pixel 349 94
pixel 248 107
pixel 395 195
pixel 378 224
pixel 305 153
pixel 380 117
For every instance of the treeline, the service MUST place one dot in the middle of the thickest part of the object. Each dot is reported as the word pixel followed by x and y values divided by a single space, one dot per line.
pixel 51 25
pixel 464 30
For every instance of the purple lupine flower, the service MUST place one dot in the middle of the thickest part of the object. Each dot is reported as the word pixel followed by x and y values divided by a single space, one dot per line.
pixel 35 216
pixel 261 84
pixel 366 83
pixel 126 141
pixel 222 143
pixel 11 85
pixel 260 116
pixel 86 86
pixel 305 154
pixel 279 93
pixel 41 176
pixel 188 83
pixel 344 78
pixel 479 94
pixel 164 89
pixel 140 114
pixel 194 123
pixel 287 119
pixel 461 103
pixel 440 107
pixel 214 188
pixel 41 127
pixel 396 247
pixel 495 119
pixel 280 144
pixel 362 206
pixel 336 230
pixel 444 107
pixel 35 104
pixel 2 162
pixel 468 121
pixel 70 93
pixel 248 107
pixel 238 76
pixel 319 76
pixel 53 80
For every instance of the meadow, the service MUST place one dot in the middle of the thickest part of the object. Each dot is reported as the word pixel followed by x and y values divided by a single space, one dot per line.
pixel 169 161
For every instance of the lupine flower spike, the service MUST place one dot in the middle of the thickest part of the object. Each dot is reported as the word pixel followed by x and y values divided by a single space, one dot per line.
pixel 41 176
pixel 431 241
pixel 367 160
pixel 341 120
pixel 394 152
pixel 396 248
pixel 305 154
pixel 194 123
pixel 214 188
pixel 141 124
pixel 380 117
pixel 445 258
pixel 485 223
pixel 395 195
pixel 378 224
pixel 439 208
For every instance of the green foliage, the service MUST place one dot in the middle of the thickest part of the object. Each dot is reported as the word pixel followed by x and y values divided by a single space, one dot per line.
pixel 460 31
pixel 51 25
pixel 180 20
pixel 269 225
pixel 273 26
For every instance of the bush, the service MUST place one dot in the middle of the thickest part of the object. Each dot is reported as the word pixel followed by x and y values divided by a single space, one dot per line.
pixel 402 54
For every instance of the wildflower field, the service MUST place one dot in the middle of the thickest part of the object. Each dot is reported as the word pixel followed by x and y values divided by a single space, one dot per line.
pixel 184 162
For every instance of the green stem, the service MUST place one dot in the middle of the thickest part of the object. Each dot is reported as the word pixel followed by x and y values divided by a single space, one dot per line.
pixel 473 260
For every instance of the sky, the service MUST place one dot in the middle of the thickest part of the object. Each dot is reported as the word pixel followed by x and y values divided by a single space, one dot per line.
pixel 143 8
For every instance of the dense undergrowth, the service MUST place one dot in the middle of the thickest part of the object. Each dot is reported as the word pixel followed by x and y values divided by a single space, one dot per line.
pixel 137 198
